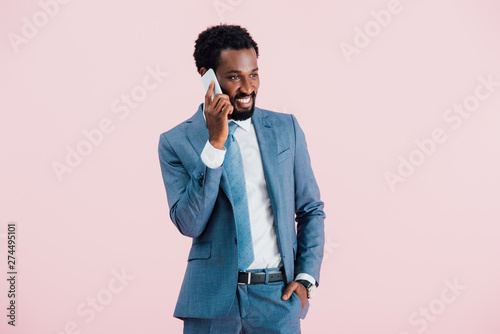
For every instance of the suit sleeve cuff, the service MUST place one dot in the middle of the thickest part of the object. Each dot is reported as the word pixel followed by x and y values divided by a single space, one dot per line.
pixel 307 277
pixel 211 156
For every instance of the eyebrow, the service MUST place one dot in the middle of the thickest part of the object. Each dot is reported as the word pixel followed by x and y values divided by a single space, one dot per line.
pixel 234 71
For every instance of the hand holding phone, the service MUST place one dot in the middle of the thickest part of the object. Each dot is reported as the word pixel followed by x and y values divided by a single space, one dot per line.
pixel 217 108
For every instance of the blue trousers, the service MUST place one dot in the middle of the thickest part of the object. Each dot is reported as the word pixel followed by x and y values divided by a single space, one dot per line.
pixel 257 308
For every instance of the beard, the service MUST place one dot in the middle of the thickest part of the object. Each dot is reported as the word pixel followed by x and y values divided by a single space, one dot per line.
pixel 241 115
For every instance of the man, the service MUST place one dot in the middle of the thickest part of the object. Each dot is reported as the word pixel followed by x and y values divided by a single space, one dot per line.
pixel 237 177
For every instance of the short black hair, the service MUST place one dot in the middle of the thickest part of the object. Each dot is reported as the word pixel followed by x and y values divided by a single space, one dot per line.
pixel 214 39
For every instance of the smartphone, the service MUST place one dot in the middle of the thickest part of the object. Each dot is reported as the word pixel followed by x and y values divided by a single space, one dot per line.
pixel 210 76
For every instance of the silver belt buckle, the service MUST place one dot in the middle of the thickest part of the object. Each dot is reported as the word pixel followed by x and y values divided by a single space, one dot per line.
pixel 249 277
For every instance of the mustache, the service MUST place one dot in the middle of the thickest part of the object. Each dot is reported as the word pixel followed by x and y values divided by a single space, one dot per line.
pixel 242 96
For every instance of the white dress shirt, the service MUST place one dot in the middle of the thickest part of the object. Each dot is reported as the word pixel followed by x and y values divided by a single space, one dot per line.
pixel 265 242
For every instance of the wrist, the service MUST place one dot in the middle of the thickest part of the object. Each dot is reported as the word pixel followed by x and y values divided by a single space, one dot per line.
pixel 218 144
pixel 310 288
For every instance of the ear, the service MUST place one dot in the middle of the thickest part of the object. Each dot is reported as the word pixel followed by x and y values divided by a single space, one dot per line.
pixel 202 71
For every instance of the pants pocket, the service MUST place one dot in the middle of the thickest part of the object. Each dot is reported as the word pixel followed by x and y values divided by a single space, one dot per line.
pixel 297 301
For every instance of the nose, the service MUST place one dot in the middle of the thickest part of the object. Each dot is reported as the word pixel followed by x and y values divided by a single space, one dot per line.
pixel 246 87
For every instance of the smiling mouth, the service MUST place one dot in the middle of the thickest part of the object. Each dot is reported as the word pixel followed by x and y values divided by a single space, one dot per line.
pixel 244 101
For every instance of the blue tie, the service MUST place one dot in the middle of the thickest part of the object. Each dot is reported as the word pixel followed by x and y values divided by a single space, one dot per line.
pixel 234 170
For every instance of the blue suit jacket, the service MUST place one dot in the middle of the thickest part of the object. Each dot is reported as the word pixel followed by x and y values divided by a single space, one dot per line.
pixel 201 208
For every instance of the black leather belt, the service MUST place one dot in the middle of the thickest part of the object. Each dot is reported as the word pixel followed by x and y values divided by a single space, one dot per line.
pixel 246 277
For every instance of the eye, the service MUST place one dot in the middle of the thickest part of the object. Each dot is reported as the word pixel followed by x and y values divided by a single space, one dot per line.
pixel 234 77
pixel 253 75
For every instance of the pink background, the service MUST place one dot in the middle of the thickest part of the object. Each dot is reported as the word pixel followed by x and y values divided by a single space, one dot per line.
pixel 389 252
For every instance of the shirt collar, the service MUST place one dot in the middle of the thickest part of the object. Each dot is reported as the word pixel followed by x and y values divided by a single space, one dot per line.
pixel 245 125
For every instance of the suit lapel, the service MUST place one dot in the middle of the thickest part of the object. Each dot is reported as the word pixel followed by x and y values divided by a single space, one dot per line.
pixel 198 136
pixel 198 132
pixel 268 144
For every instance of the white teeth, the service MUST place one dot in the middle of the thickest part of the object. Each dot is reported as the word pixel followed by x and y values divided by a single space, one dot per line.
pixel 244 100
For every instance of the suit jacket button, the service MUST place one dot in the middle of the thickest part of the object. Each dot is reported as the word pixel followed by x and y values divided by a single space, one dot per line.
pixel 235 241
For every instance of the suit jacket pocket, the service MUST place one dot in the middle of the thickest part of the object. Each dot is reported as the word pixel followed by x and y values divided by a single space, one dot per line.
pixel 200 251
pixel 282 156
